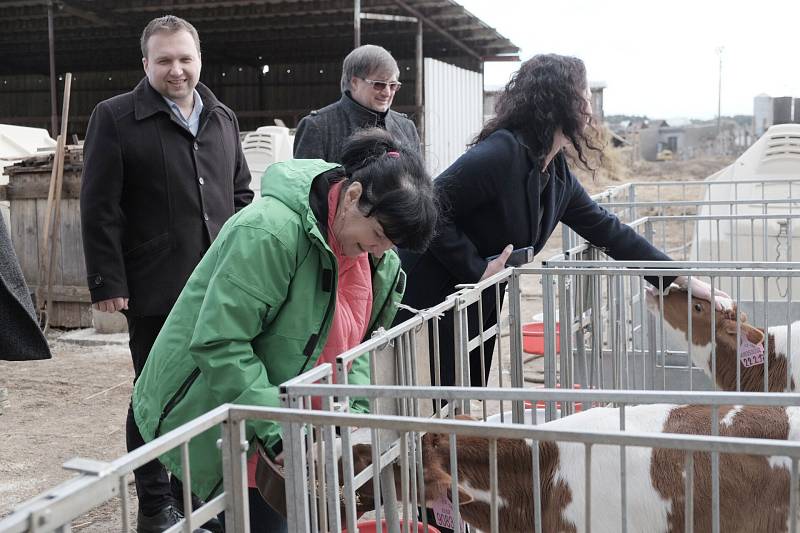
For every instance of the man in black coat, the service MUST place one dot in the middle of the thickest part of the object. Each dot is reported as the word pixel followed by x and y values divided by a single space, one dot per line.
pixel 163 171
pixel 20 336
pixel 369 83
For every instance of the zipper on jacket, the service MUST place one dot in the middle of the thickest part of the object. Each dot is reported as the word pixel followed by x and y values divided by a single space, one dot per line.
pixel 177 397
pixel 314 338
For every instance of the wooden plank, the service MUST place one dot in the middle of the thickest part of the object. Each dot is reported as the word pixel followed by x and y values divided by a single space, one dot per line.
pixel 69 293
pixel 68 315
pixel 72 257
pixel 74 267
pixel 85 315
pixel 25 237
pixel 57 266
pixel 26 186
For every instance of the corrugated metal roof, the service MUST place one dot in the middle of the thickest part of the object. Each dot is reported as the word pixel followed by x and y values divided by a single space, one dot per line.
pixel 102 34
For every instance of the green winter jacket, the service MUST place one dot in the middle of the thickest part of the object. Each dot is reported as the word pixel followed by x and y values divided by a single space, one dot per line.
pixel 255 312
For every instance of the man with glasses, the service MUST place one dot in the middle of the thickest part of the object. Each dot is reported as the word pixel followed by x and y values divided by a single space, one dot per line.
pixel 369 83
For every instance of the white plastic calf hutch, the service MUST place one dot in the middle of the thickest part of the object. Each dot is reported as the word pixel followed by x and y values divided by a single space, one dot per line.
pixel 768 170
pixel 266 145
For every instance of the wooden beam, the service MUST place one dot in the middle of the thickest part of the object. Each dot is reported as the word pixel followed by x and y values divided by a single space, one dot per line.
pixel 68 293
pixel 89 15
pixel 421 16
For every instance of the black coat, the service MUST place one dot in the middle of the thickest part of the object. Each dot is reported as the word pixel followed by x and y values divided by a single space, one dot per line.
pixel 153 196
pixel 490 198
pixel 321 134
pixel 20 336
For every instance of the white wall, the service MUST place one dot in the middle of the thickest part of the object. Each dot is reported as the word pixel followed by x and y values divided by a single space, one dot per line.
pixel 453 112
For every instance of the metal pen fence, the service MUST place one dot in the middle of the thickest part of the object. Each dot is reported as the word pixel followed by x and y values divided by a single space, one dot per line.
pixel 409 450
pixel 54 512
pixel 608 340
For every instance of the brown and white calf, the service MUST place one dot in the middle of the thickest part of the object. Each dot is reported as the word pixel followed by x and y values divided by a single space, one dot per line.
pixel 754 490
pixel 676 336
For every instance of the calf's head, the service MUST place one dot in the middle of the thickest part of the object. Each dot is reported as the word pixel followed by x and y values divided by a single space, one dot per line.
pixel 679 312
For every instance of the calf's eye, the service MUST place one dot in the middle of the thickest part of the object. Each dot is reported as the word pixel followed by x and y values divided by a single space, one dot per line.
pixel 698 307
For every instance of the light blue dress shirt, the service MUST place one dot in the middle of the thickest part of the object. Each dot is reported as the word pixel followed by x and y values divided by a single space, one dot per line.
pixel 193 122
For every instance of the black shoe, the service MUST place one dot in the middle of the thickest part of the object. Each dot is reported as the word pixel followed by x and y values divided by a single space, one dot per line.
pixel 214 525
pixel 167 517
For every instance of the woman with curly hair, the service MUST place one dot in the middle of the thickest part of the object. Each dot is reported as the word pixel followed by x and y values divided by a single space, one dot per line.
pixel 511 189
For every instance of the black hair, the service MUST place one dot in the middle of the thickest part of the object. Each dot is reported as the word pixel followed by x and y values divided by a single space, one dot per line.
pixel 547 93
pixel 396 188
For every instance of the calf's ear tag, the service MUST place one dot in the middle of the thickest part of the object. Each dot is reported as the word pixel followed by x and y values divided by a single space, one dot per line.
pixel 750 354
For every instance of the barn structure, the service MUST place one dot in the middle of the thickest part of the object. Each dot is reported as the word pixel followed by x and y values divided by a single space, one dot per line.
pixel 266 59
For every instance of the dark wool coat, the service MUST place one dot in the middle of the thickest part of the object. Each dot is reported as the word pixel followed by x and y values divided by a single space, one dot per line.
pixel 321 134
pixel 153 196
pixel 491 197
pixel 20 336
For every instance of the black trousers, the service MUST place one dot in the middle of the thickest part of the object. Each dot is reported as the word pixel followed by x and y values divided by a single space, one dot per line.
pixel 447 347
pixel 152 481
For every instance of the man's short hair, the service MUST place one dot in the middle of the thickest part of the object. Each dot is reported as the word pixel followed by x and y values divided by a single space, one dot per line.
pixel 168 24
pixel 365 60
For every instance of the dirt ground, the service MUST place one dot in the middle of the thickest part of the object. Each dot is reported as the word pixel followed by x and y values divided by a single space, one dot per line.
pixel 75 404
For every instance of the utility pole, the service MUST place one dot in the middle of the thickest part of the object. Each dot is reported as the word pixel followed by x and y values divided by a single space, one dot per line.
pixel 719 92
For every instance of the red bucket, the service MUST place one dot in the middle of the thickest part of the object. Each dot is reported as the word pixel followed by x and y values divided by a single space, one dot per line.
pixel 533 337
pixel 371 526
pixel 578 406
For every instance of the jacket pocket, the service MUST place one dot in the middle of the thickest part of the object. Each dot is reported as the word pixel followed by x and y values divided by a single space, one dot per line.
pixel 176 398
pixel 147 248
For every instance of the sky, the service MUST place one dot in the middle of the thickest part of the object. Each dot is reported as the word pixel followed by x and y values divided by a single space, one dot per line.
pixel 659 59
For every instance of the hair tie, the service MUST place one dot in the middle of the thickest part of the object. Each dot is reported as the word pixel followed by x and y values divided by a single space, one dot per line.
pixel 393 154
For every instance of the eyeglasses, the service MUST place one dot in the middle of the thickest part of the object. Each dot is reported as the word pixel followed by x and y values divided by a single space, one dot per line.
pixel 379 86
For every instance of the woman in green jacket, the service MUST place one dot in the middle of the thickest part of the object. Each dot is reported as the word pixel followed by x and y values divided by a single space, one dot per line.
pixel 305 272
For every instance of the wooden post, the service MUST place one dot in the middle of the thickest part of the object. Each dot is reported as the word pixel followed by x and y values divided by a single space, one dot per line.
pixel 52 230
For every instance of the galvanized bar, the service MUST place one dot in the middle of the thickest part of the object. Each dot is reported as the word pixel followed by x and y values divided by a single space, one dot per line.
pixel 376 472
pixel 234 467
pixel 515 343
pixel 331 469
pixel 187 488
pixel 623 477
pixel 588 488
pixel 454 481
pixel 125 503
pixel 548 316
pixel 404 481
pixel 689 493
pixel 715 472
pixel 793 497
pixel 495 519
pixel 348 473
pixel 537 486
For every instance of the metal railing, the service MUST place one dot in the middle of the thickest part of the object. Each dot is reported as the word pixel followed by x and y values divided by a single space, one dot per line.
pixel 409 451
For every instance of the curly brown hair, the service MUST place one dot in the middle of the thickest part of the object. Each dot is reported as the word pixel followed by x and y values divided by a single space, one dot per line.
pixel 546 94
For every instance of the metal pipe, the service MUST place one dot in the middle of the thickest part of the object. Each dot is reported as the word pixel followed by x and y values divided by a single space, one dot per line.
pixel 419 100
pixel 53 100
pixel 356 23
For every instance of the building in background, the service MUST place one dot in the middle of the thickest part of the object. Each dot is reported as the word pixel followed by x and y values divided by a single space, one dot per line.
pixel 597 87
pixel 762 114
pixel 768 111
